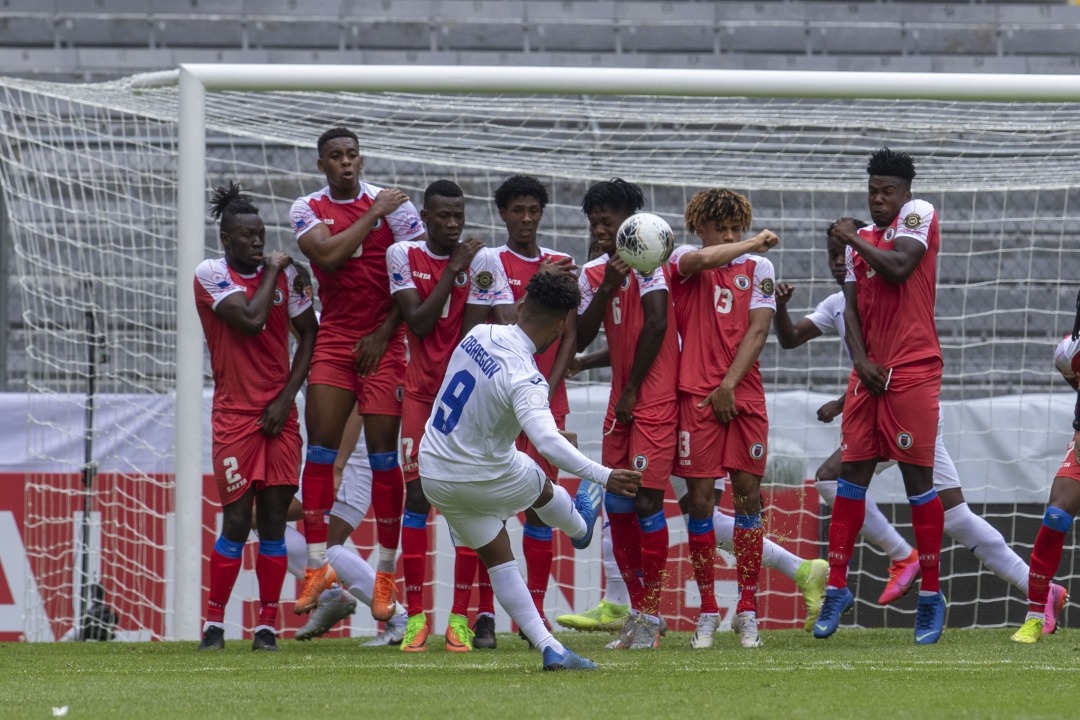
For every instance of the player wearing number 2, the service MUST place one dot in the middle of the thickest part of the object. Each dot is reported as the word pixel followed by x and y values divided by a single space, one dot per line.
pixel 246 302
pixel 476 478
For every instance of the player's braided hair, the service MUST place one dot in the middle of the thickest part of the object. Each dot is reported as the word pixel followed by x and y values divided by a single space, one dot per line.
pixel 615 194
pixel 552 293
pixel 228 202
pixel 331 134
pixel 443 188
pixel 520 186
pixel 718 204
pixel 891 164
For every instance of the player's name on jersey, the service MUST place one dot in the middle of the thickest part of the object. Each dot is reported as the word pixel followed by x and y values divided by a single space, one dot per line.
pixel 475 350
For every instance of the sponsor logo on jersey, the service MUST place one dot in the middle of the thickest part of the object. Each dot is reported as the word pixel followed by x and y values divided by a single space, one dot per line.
pixel 904 440
pixel 890 234
pixel 640 462
pixel 742 282
pixel 279 297
pixel 484 280
pixel 912 220
pixel 461 279
pixel 421 275
pixel 536 380
pixel 757 450
pixel 399 392
pixel 327 221
pixel 766 286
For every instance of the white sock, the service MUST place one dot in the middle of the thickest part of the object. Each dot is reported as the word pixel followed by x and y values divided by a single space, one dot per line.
pixel 387 560
pixel 772 555
pixel 513 594
pixel 614 586
pixel 987 544
pixel 353 572
pixel 296 548
pixel 561 513
pixel 876 529
pixel 316 555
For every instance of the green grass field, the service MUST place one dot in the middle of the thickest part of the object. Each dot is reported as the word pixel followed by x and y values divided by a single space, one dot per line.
pixel 855 674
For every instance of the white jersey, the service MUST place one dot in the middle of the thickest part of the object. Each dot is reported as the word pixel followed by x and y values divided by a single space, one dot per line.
pixel 828 316
pixel 1067 357
pixel 492 391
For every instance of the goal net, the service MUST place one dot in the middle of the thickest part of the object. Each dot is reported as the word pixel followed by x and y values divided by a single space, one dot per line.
pixel 89 176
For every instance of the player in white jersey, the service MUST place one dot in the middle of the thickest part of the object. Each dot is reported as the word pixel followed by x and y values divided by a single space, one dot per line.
pixel 473 473
pixel 964 526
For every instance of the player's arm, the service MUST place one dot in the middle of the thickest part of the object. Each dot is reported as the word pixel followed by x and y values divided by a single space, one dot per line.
pixel 421 317
pixel 791 335
pixel 589 361
pixel 722 398
pixel 249 316
pixel 274 416
pixel 894 265
pixel 653 331
pixel 330 252
pixel 873 376
pixel 707 258
pixel 589 322
pixel 541 430
pixel 370 348
pixel 832 409
pixel 567 348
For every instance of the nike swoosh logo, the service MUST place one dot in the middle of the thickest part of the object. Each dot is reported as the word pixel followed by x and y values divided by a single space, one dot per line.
pixel 923 636
pixel 821 627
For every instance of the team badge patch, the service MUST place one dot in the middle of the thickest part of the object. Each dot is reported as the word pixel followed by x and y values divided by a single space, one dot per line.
pixel 626 282
pixel 890 234
pixel 461 279
pixel 757 450
pixel 279 297
pixel 904 441
pixel 484 280
pixel 912 220
pixel 399 393
pixel 766 286
pixel 640 462
pixel 377 225
pixel 536 399
pixel 742 282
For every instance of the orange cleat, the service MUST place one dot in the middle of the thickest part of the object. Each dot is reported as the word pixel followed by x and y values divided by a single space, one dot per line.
pixel 384 596
pixel 316 580
pixel 902 574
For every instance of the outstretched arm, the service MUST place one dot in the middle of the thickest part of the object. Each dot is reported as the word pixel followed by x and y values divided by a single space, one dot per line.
pixel 788 334
pixel 716 256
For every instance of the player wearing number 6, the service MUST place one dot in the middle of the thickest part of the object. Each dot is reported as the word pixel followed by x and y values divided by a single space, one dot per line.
pixel 472 472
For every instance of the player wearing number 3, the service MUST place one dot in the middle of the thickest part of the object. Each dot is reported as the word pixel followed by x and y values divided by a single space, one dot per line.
pixel 471 471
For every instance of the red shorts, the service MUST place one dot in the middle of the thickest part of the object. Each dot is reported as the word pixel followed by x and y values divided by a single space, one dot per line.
pixel 414 416
pixel 710 449
pixel 525 445
pixel 245 456
pixel 333 364
pixel 1069 467
pixel 646 445
pixel 900 425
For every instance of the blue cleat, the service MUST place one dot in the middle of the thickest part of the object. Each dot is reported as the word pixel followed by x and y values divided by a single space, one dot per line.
pixel 836 603
pixel 569 660
pixel 588 500
pixel 930 619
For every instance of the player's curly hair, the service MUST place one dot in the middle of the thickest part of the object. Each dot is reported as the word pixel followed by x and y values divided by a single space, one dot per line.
pixel 228 202
pixel 891 164
pixel 443 188
pixel 333 133
pixel 615 194
pixel 552 294
pixel 718 204
pixel 520 186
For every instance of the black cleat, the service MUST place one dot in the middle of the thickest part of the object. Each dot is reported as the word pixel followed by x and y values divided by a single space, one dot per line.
pixel 213 638
pixel 484 629
pixel 265 640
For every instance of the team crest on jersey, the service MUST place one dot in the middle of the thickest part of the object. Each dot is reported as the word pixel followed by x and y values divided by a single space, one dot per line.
pixel 890 234
pixel 904 441
pixel 640 462
pixel 742 282
pixel 484 280
pixel 757 450
pixel 399 393
pixel 279 297
pixel 461 279
pixel 377 225
pixel 766 286
pixel 912 220
pixel 626 282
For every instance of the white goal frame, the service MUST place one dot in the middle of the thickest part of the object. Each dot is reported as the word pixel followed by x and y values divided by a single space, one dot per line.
pixel 195 80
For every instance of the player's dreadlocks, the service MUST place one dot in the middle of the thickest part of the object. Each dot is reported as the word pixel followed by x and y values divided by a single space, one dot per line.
pixel 552 294
pixel 520 186
pixel 891 164
pixel 718 204
pixel 443 188
pixel 228 202
pixel 331 134
pixel 615 194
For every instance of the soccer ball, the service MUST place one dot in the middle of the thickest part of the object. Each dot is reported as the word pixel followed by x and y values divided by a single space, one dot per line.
pixel 645 242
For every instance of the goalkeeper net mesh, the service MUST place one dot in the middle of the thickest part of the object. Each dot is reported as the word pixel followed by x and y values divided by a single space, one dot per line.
pixel 89 184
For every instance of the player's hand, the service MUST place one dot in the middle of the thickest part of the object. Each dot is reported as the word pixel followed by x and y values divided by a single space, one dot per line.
pixel 844 230
pixel 874 377
pixel 272 420
pixel 614 271
pixel 784 291
pixel 830 411
pixel 765 241
pixel 462 256
pixel 369 352
pixel 558 266
pixel 722 401
pixel 624 482
pixel 276 261
pixel 573 367
pixel 624 408
pixel 570 436
pixel 387 201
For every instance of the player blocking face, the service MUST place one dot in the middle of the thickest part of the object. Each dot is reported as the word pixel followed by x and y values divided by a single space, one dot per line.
pixel 246 303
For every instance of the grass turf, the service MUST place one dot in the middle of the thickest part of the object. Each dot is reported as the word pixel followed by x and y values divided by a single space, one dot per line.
pixel 856 673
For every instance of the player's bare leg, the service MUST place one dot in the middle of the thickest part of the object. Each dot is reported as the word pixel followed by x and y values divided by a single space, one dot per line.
pixel 387 500
pixel 928 522
pixel 749 536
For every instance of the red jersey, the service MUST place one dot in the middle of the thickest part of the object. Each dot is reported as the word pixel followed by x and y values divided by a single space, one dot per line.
pixel 1067 357
pixel 623 321
pixel 412 265
pixel 249 370
pixel 898 319
pixel 519 271
pixel 712 311
pixel 356 297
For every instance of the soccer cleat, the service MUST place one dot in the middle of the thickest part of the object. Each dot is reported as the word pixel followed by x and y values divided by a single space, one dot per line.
pixel 213 638
pixel 929 619
pixel 416 632
pixel 316 581
pixel 902 574
pixel 265 640
pixel 644 633
pixel 484 632
pixel 811 578
pixel 605 616
pixel 836 603
pixel 382 598
pixel 1055 603
pixel 458 635
pixel 392 634
pixel 745 626
pixel 335 605
pixel 568 660
pixel 1030 632
pixel 706 628
pixel 588 500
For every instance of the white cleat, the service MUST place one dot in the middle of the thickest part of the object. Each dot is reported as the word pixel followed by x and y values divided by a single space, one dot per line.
pixel 745 625
pixel 706 628
pixel 393 634
pixel 335 604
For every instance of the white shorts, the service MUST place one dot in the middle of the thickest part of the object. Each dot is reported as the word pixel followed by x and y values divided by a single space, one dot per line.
pixel 945 475
pixel 353 499
pixel 477 510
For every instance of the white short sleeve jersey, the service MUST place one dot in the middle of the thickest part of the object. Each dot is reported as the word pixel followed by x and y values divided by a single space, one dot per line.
pixel 1067 357
pixel 828 316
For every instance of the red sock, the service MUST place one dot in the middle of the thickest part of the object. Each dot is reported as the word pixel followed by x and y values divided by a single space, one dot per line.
pixel 224 569
pixel 317 485
pixel 387 501
pixel 537 546
pixel 848 514
pixel 465 562
pixel 1045 559
pixel 414 550
pixel 703 560
pixel 654 554
pixel 485 600
pixel 747 539
pixel 270 570
pixel 626 546
pixel 928 523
